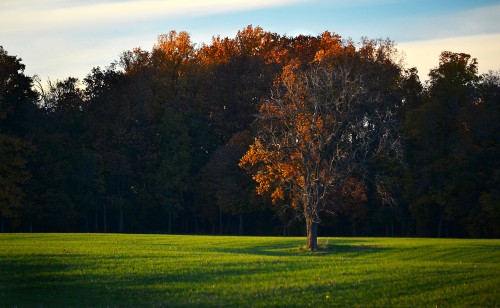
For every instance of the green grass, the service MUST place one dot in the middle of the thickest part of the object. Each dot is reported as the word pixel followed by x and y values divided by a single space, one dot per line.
pixel 160 270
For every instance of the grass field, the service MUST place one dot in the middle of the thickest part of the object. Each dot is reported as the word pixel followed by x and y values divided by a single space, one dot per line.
pixel 161 270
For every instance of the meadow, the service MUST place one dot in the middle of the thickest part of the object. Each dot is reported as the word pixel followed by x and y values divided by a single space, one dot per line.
pixel 169 270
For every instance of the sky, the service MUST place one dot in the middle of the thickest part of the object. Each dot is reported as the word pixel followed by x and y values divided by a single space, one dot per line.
pixel 57 39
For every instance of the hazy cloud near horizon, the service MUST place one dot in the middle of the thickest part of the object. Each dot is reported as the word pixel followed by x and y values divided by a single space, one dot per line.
pixel 58 38
pixel 425 54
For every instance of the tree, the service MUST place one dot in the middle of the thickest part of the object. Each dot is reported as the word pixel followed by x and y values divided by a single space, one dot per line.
pixel 231 187
pixel 438 137
pixel 15 87
pixel 321 128
pixel 14 174
pixel 234 77
pixel 64 168
pixel 169 180
pixel 17 99
pixel 170 58
pixel 113 127
pixel 484 146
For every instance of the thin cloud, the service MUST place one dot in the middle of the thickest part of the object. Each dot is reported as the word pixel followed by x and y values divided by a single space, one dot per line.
pixel 77 57
pixel 19 16
pixel 477 21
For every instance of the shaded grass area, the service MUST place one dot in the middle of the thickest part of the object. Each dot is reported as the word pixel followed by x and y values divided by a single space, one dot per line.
pixel 161 270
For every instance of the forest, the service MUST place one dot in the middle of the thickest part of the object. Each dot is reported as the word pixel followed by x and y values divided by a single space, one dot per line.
pixel 183 139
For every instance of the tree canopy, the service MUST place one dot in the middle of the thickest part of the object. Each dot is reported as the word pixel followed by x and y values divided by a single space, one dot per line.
pixel 322 127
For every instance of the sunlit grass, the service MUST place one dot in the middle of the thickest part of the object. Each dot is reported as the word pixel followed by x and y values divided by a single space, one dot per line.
pixel 160 270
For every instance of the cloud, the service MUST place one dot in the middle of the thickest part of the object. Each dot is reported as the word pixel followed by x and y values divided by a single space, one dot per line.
pixel 39 16
pixel 57 58
pixel 425 54
pixel 476 21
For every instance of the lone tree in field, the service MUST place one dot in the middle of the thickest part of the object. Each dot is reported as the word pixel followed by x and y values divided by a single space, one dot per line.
pixel 323 125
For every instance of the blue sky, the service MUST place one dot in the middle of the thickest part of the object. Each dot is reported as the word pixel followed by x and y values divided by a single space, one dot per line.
pixel 61 38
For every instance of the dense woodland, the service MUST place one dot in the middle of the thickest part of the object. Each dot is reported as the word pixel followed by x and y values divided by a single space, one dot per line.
pixel 153 143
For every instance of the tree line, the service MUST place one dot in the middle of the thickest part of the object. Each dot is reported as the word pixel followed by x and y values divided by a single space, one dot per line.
pixel 256 134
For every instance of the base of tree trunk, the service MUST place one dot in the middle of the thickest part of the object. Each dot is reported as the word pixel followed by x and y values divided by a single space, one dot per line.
pixel 312 235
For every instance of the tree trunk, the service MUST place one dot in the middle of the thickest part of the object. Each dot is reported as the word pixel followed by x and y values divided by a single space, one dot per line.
pixel 121 227
pixel 228 223
pixel 312 234
pixel 185 222
pixel 220 221
pixel 96 228
pixel 240 231
pixel 195 221
pixel 169 222
pixel 104 217
pixel 440 225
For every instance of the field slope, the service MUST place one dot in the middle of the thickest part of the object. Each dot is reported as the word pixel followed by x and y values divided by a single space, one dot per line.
pixel 161 270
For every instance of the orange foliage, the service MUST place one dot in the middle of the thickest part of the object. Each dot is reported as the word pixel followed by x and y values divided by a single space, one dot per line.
pixel 176 46
pixel 220 51
pixel 329 46
pixel 271 169
pixel 283 163
pixel 174 51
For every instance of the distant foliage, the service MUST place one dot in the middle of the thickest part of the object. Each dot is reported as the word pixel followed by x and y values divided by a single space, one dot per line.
pixel 336 131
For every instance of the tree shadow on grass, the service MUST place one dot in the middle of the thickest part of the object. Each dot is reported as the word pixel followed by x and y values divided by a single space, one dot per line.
pixel 297 247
